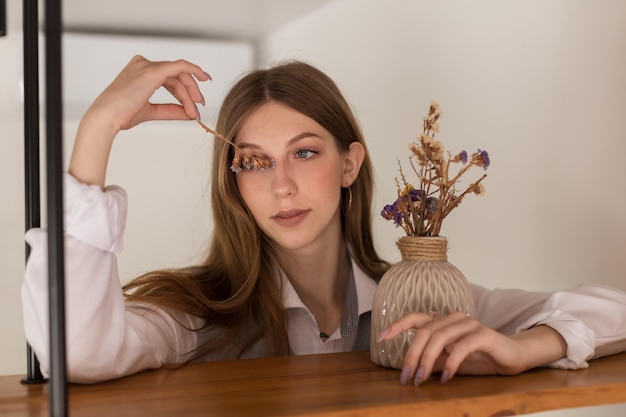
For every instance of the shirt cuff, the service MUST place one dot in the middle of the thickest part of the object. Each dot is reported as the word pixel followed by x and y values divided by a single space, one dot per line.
pixel 95 216
pixel 579 338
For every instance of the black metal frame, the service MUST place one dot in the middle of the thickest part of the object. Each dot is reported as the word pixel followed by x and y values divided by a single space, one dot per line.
pixel 54 184
pixel 32 208
pixel 3 17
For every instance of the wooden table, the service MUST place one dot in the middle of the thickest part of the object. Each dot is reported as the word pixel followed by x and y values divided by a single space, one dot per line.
pixel 341 384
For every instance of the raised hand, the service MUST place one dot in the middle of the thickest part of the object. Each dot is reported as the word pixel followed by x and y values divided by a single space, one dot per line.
pixel 125 100
pixel 458 344
pixel 125 103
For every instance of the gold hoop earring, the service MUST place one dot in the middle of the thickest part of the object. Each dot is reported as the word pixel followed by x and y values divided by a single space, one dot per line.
pixel 346 211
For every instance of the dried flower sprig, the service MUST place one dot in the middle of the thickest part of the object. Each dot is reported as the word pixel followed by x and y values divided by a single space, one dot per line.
pixel 420 211
pixel 242 160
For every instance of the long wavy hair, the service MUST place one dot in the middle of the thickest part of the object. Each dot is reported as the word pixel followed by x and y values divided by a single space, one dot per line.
pixel 234 290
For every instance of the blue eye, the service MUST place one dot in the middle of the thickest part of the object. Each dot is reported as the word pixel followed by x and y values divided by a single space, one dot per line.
pixel 304 153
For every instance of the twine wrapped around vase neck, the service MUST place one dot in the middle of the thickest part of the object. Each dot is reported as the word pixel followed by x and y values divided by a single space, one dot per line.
pixel 423 248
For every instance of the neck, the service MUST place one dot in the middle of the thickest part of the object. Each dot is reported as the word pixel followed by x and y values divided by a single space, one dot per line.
pixel 320 278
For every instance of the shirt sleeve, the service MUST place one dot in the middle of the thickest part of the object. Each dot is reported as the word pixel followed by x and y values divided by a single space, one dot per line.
pixel 591 319
pixel 106 336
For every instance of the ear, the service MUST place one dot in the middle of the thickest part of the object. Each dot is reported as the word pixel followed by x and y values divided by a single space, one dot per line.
pixel 352 161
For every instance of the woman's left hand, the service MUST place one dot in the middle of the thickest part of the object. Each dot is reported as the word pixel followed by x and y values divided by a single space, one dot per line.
pixel 458 344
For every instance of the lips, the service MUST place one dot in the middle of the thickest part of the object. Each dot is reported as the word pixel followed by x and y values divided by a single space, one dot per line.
pixel 290 218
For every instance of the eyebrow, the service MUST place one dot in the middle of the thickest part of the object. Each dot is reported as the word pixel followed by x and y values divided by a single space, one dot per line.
pixel 290 142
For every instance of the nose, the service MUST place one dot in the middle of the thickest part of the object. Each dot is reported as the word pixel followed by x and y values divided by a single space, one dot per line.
pixel 283 182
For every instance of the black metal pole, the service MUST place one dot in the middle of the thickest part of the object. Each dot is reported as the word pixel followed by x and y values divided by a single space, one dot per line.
pixel 3 17
pixel 54 176
pixel 32 187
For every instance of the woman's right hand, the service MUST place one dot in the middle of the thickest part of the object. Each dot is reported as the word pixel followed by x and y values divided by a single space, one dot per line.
pixel 125 103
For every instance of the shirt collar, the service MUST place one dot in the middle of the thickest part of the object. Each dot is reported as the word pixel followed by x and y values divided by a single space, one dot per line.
pixel 365 288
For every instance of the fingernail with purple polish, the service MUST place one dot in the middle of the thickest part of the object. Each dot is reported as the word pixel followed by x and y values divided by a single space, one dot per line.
pixel 445 376
pixel 418 376
pixel 405 375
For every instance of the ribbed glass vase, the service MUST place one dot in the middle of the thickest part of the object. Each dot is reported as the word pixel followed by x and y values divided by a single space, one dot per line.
pixel 424 282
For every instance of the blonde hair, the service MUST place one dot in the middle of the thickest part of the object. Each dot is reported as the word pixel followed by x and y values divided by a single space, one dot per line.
pixel 235 290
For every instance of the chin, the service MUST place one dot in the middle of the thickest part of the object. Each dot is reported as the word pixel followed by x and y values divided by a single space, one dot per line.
pixel 292 243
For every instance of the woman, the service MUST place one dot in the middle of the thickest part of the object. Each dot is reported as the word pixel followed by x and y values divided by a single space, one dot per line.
pixel 291 268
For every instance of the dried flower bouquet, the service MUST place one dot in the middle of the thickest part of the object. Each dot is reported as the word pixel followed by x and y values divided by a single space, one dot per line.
pixel 420 210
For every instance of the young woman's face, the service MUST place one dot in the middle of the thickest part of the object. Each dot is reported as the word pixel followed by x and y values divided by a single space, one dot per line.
pixel 296 203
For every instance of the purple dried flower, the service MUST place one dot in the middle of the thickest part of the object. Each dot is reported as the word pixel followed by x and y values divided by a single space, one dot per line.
pixel 392 212
pixel 388 212
pixel 416 195
pixel 484 156
pixel 463 157
pixel 398 218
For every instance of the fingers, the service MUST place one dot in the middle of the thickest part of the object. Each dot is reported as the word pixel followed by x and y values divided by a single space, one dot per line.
pixel 141 78
pixel 458 352
pixel 409 321
pixel 424 325
pixel 185 89
pixel 187 98
pixel 435 338
pixel 175 68
pixel 167 111
pixel 441 338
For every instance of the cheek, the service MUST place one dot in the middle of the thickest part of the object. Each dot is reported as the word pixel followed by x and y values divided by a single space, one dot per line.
pixel 326 182
pixel 330 179
pixel 250 188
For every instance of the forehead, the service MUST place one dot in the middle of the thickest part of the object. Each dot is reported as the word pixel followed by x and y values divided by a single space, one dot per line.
pixel 276 122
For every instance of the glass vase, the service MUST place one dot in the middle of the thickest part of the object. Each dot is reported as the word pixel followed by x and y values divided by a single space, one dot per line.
pixel 424 282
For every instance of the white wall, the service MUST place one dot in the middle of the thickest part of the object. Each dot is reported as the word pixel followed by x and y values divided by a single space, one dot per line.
pixel 12 341
pixel 538 84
